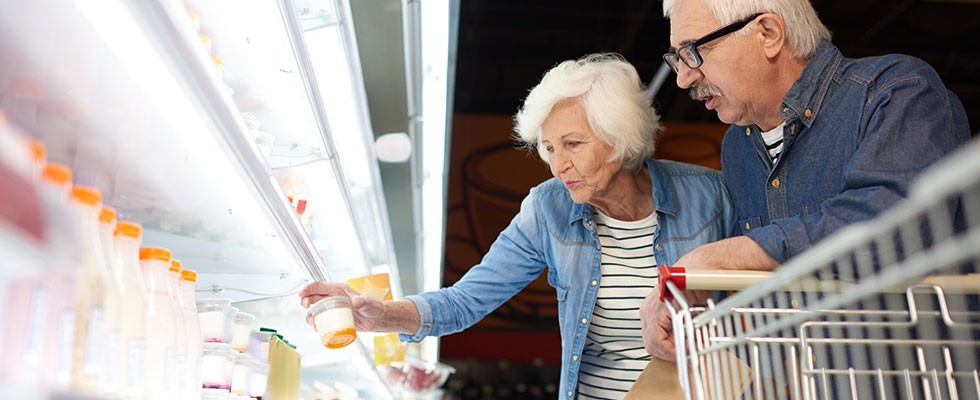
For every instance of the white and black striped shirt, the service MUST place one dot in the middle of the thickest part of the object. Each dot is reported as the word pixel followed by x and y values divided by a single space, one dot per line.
pixel 614 354
pixel 774 141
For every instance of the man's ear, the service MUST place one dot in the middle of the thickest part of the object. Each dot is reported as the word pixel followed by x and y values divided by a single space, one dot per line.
pixel 772 34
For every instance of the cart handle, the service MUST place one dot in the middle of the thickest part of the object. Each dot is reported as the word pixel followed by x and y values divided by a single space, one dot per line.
pixel 716 279
pixel 706 279
pixel 675 275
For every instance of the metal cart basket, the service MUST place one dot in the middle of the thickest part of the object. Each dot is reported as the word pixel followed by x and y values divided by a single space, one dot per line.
pixel 886 309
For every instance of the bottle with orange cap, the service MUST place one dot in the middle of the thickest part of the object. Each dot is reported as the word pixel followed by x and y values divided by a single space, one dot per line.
pixel 180 325
pixel 161 340
pixel 113 301
pixel 195 341
pixel 89 358
pixel 128 237
pixel 23 303
pixel 57 341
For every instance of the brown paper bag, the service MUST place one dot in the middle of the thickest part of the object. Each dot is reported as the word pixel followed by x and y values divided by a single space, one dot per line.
pixel 659 380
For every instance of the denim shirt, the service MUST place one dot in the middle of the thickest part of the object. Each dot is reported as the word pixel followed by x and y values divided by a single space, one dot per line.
pixel 692 208
pixel 857 131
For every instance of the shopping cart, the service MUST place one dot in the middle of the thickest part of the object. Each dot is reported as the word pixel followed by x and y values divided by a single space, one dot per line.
pixel 883 309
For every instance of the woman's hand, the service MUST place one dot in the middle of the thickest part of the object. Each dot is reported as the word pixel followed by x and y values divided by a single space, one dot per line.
pixel 367 311
pixel 370 314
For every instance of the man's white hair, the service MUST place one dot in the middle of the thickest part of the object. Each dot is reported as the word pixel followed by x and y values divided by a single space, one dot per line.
pixel 803 27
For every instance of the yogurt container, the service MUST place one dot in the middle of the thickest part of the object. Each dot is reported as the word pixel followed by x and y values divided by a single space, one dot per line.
pixel 215 317
pixel 241 330
pixel 216 369
pixel 334 321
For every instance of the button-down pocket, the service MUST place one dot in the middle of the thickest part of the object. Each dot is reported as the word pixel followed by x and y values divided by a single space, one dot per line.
pixel 749 224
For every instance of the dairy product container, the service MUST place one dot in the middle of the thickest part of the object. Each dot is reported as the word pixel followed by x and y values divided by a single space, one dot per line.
pixel 188 281
pixel 241 331
pixel 180 359
pixel 241 374
pixel 89 356
pixel 215 319
pixel 127 238
pixel 215 371
pixel 260 379
pixel 334 321
pixel 161 339
pixel 113 302
pixel 57 347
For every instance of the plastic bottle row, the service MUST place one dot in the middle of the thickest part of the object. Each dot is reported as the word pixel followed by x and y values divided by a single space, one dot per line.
pixel 105 316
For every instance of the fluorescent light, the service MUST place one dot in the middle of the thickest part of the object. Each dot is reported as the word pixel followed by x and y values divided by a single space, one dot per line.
pixel 435 75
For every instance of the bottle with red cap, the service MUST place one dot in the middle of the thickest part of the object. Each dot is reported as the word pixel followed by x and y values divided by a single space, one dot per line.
pixel 128 236
pixel 89 358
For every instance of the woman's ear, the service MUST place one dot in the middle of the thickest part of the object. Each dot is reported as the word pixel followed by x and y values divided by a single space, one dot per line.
pixel 772 34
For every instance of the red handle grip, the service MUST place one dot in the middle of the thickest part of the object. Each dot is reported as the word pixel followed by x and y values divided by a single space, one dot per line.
pixel 676 275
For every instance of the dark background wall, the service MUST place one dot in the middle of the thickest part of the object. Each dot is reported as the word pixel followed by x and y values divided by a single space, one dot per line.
pixel 505 47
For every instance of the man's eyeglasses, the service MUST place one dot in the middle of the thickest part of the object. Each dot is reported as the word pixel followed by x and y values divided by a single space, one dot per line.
pixel 689 53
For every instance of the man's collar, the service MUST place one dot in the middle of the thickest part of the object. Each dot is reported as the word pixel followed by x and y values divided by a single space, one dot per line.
pixel 805 97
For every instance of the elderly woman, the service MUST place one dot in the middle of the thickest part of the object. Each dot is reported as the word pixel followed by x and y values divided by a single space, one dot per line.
pixel 601 226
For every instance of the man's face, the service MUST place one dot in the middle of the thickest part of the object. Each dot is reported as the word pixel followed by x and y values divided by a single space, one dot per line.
pixel 728 80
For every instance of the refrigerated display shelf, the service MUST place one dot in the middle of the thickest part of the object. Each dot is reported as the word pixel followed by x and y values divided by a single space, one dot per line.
pixel 137 109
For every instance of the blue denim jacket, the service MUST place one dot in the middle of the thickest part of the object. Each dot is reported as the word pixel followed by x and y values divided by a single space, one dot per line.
pixel 692 208
pixel 857 132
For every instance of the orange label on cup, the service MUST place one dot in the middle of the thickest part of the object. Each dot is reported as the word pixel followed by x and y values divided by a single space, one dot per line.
pixel 338 339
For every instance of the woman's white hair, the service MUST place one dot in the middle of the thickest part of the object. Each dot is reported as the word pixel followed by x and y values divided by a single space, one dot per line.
pixel 803 27
pixel 614 100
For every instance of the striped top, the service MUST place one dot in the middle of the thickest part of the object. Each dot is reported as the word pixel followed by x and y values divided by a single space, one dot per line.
pixel 614 354
pixel 774 141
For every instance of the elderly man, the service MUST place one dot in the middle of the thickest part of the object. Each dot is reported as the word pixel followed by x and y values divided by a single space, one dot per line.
pixel 817 140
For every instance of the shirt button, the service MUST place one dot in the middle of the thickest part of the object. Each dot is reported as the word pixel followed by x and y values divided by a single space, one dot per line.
pixel 775 183
pixel 585 321
pixel 807 113
pixel 569 394
pixel 785 109
pixel 748 131
pixel 657 246
pixel 746 226
pixel 595 283
pixel 794 303
pixel 574 358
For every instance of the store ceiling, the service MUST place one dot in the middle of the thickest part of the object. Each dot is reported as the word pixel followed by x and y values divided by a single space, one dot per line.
pixel 504 46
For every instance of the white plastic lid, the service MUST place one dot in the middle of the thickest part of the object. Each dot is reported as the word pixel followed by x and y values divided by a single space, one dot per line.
pixel 329 303
pixel 244 318
pixel 212 304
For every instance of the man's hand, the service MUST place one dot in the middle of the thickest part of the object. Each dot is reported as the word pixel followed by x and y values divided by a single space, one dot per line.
pixel 733 253
pixel 658 332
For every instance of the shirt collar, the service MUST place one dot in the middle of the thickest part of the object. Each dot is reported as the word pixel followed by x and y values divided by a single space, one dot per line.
pixel 805 97
pixel 664 196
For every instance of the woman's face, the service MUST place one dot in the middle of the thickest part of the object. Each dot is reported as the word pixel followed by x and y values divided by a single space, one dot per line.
pixel 576 155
